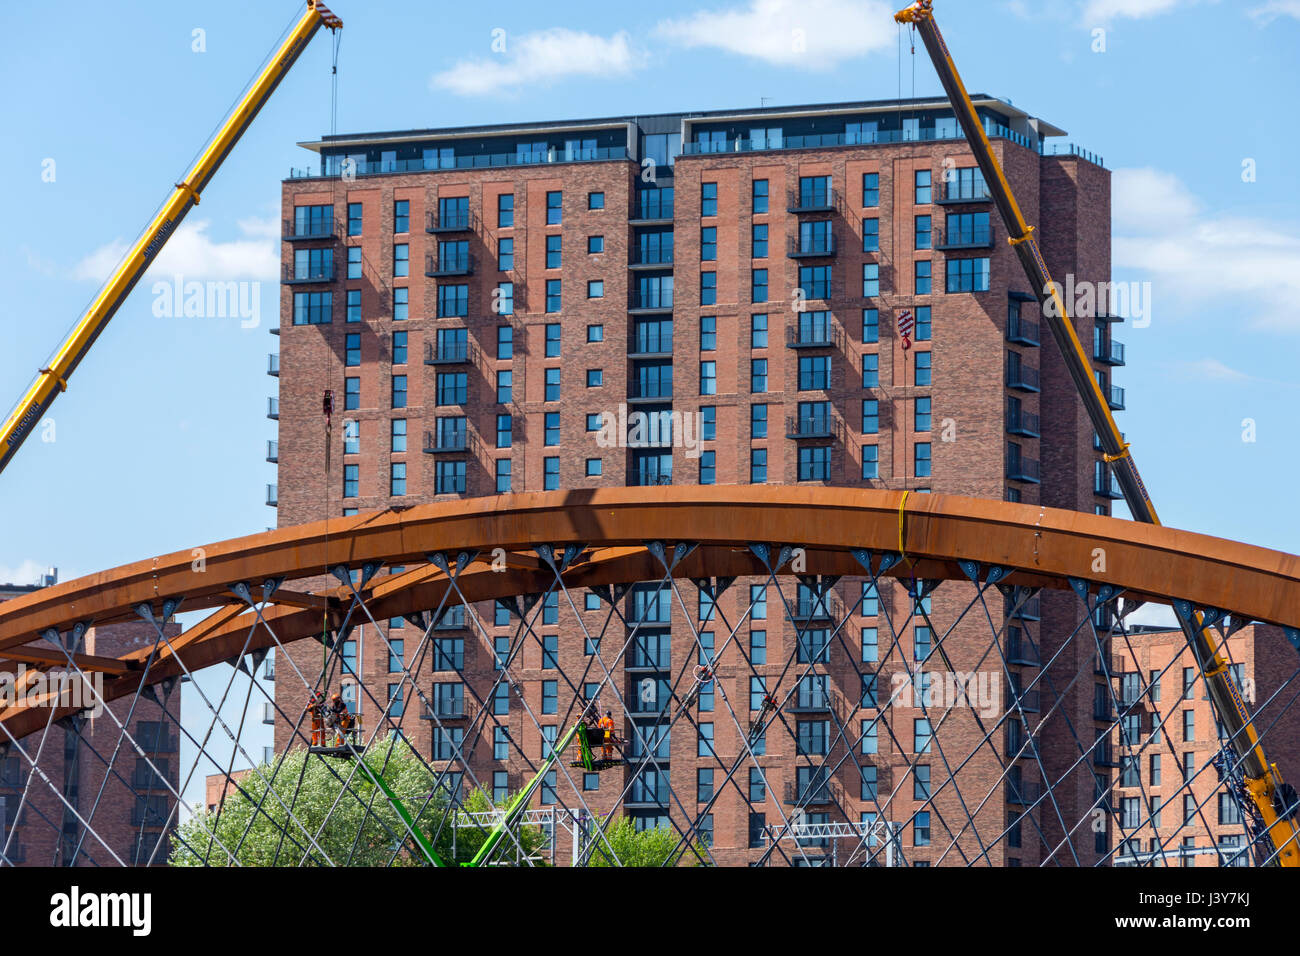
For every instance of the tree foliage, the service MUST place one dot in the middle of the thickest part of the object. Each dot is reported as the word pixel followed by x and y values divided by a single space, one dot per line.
pixel 656 846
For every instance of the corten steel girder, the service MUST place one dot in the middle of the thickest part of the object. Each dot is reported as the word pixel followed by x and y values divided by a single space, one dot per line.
pixel 1042 546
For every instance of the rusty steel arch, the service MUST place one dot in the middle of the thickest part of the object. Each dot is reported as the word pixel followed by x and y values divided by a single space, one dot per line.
pixel 1038 547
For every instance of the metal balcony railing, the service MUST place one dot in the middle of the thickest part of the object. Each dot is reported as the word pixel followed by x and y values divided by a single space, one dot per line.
pixel 810 247
pixel 1029 700
pixel 661 259
pixel 1116 399
pixel 268 712
pixel 1024 423
pixel 980 237
pixel 1024 793
pixel 311 229
pixel 144 777
pixel 1030 609
pixel 653 210
pixel 1109 353
pixel 447 439
pixel 272 496
pixel 818 335
pixel 1022 377
pixel 828 608
pixel 1020 468
pixel 450 708
pixel 273 409
pixel 650 300
pixel 450 221
pixel 273 364
pixel 1103 755
pixel 272 451
pixel 812 793
pixel 448 352
pixel 445 264
pixel 1021 650
pixel 965 191
pixel 814 425
pixel 314 272
pixel 813 200
pixel 1023 331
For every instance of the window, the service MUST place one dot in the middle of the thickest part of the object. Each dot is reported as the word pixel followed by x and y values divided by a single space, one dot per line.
pixel 505 342
pixel 871 371
pixel 553 252
pixel 551 431
pixel 708 468
pixel 923 275
pixel 503 466
pixel 760 240
pixel 922 368
pixel 921 782
pixel 505 386
pixel 351 393
pixel 815 463
pixel 760 195
pixel 399 391
pixel 354 263
pixel 595 289
pixel 758 331
pixel 453 300
pixel 703 784
pixel 397 479
pixel 397 435
pixel 312 308
pixel 1189 725
pixel 352 353
pixel 815 281
pixel 921 735
pixel 552 385
pixel 922 414
pixel 708 333
pixel 814 373
pixel 705 742
pixel 708 288
pixel 503 298
pixel 923 329
pixel 758 284
pixel 550 474
pixel 401 260
pixel 553 339
pixel 708 378
pixel 505 431
pixel 871 235
pixel 351 437
pixel 758 466
pixel 595 200
pixel 968 275
pixel 452 388
pixel 870 280
pixel 921 460
pixel 870 326
pixel 758 421
pixel 505 210
pixel 402 215
pixel 923 232
pixel 870 461
pixel 553 295
pixel 869 735
pixel 354 305
pixel 354 219
pixel 870 190
pixel 595 333
pixel 399 348
pixel 351 480
pixel 505 254
pixel 709 244
pixel 554 208
pixel 923 178
pixel 708 199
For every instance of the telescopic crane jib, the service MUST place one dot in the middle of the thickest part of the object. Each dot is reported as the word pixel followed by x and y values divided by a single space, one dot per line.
pixel 54 377
pixel 1273 798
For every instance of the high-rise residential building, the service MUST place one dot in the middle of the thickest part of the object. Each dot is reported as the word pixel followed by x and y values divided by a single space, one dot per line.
pixel 481 301
pixel 129 808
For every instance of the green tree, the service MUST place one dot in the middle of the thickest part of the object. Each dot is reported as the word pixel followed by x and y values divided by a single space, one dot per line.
pixel 471 835
pixel 651 847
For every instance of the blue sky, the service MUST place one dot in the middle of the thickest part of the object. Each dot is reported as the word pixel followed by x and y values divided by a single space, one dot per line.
pixel 159 443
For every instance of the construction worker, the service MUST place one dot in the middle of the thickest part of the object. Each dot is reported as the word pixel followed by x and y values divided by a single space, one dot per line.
pixel 340 719
pixel 315 710
pixel 607 737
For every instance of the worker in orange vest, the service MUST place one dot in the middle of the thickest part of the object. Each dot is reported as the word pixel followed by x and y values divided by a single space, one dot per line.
pixel 315 710
pixel 607 738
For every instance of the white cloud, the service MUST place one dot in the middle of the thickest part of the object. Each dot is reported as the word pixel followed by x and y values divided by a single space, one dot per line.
pixel 1276 8
pixel 191 252
pixel 542 58
pixel 1213 370
pixel 28 572
pixel 1194 258
pixel 1102 11
pixel 1153 615
pixel 814 34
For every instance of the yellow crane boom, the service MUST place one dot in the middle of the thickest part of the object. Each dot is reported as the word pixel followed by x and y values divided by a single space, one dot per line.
pixel 1263 781
pixel 54 378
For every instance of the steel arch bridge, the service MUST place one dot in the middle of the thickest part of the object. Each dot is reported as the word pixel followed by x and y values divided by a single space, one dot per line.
pixel 1082 574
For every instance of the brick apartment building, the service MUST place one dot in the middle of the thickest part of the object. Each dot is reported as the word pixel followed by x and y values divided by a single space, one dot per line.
pixel 1175 725
pixel 136 809
pixel 477 299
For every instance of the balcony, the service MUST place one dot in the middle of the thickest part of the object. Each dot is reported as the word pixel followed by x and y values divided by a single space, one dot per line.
pixel 1023 331
pixel 1020 468
pixel 455 221
pixel 814 425
pixel 272 496
pixel 1105 484
pixel 436 267
pixel 457 352
pixel 1023 794
pixel 1029 700
pixel 1030 609
pixel 808 608
pixel 650 260
pixel 812 200
pixel 810 247
pixel 1023 378
pixel 812 793
pixel 952 194
pixel 446 440
pixel 268 712
pixel 651 347
pixel 809 703
pixel 651 300
pixel 1116 399
pixel 145 777
pixel 314 229
pixel 1021 650
pixel 653 212
pixel 312 272
pixel 273 451
pixel 451 708
pixel 1108 353
pixel 1024 423
pixel 977 238
pixel 273 364
pixel 821 335
pixel 1103 755
pixel 273 409
pixel 645 796
pixel 553 154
